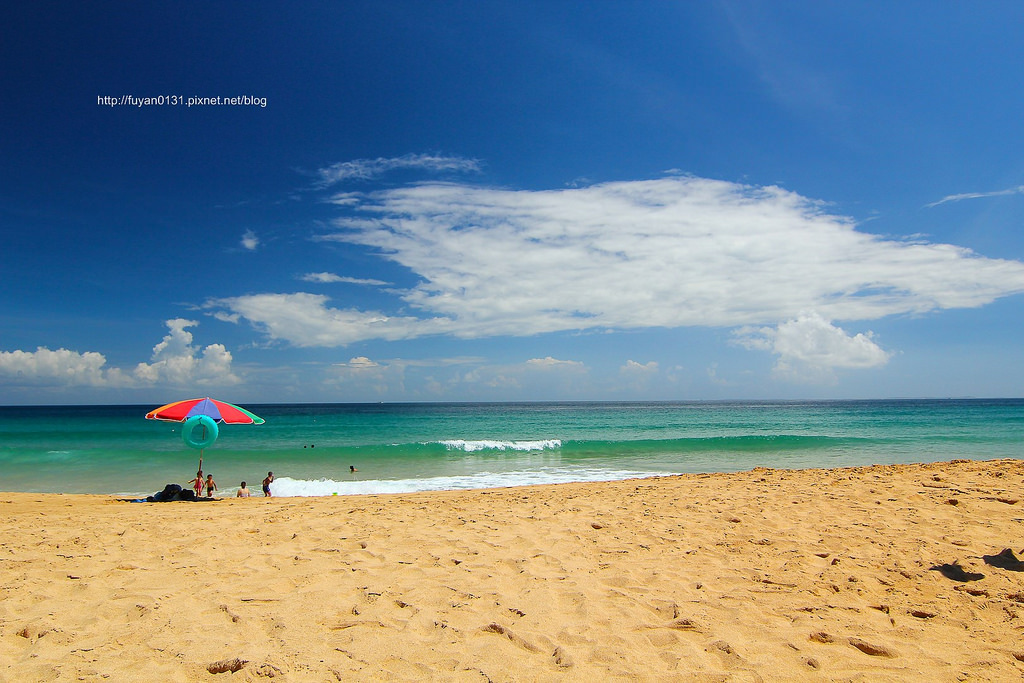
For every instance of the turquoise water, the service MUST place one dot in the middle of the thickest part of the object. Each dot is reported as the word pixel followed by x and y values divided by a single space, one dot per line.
pixel 409 447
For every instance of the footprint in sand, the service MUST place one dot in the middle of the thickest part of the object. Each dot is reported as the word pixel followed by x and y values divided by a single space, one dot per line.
pixel 872 649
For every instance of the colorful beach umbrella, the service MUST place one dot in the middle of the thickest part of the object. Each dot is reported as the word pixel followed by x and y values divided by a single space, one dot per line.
pixel 201 416
pixel 218 411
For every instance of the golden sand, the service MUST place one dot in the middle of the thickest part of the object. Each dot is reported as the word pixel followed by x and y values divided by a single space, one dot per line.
pixel 886 573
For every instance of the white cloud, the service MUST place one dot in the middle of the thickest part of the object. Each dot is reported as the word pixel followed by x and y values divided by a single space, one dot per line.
pixel 637 377
pixel 360 362
pixel 549 362
pixel 632 366
pixel 671 252
pixel 810 347
pixel 250 241
pixel 346 198
pixel 329 278
pixel 366 378
pixel 306 320
pixel 175 360
pixel 45 367
pixel 978 195
pixel 365 169
pixel 226 317
pixel 174 363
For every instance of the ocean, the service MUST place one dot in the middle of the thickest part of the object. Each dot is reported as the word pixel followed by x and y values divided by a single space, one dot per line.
pixel 438 446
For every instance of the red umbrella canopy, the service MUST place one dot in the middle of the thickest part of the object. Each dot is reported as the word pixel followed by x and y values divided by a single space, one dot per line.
pixel 219 411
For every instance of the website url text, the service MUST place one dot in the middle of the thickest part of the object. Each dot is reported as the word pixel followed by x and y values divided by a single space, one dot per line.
pixel 180 100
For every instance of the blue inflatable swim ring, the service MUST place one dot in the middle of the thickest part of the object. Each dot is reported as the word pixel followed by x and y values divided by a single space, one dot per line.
pixel 207 435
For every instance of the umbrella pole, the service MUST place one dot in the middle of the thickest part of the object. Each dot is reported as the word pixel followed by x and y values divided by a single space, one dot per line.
pixel 201 450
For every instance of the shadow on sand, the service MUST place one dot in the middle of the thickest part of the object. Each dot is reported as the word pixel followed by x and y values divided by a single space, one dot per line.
pixel 1004 560
pixel 957 573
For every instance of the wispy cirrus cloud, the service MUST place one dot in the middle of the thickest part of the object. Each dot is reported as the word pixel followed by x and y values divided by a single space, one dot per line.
pixel 366 169
pixel 977 195
pixel 306 320
pixel 331 278
pixel 361 362
pixel 549 362
pixel 666 253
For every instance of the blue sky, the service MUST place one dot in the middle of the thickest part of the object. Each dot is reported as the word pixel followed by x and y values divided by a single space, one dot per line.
pixel 511 201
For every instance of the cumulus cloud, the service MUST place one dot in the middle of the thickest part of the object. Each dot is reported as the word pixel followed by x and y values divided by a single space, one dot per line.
pixel 175 362
pixel 639 377
pixel 45 367
pixel 365 169
pixel 670 252
pixel 250 241
pixel 330 278
pixel 809 348
pixel 632 366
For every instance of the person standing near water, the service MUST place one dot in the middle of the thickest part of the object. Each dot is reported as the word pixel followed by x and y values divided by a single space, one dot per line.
pixel 266 484
pixel 243 492
pixel 211 486
pixel 197 484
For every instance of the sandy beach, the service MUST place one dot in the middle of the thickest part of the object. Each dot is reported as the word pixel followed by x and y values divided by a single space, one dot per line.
pixel 885 573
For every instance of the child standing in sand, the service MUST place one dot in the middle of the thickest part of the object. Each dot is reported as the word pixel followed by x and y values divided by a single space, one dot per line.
pixel 266 484
pixel 211 486
pixel 197 483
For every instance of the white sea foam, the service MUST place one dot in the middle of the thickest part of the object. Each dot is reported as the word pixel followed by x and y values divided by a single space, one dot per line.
pixel 485 445
pixel 284 486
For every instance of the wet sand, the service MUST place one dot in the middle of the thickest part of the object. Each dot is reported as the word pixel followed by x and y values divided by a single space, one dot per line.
pixel 886 573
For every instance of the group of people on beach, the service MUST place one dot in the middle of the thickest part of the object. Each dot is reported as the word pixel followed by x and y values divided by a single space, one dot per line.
pixel 198 484
pixel 243 492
